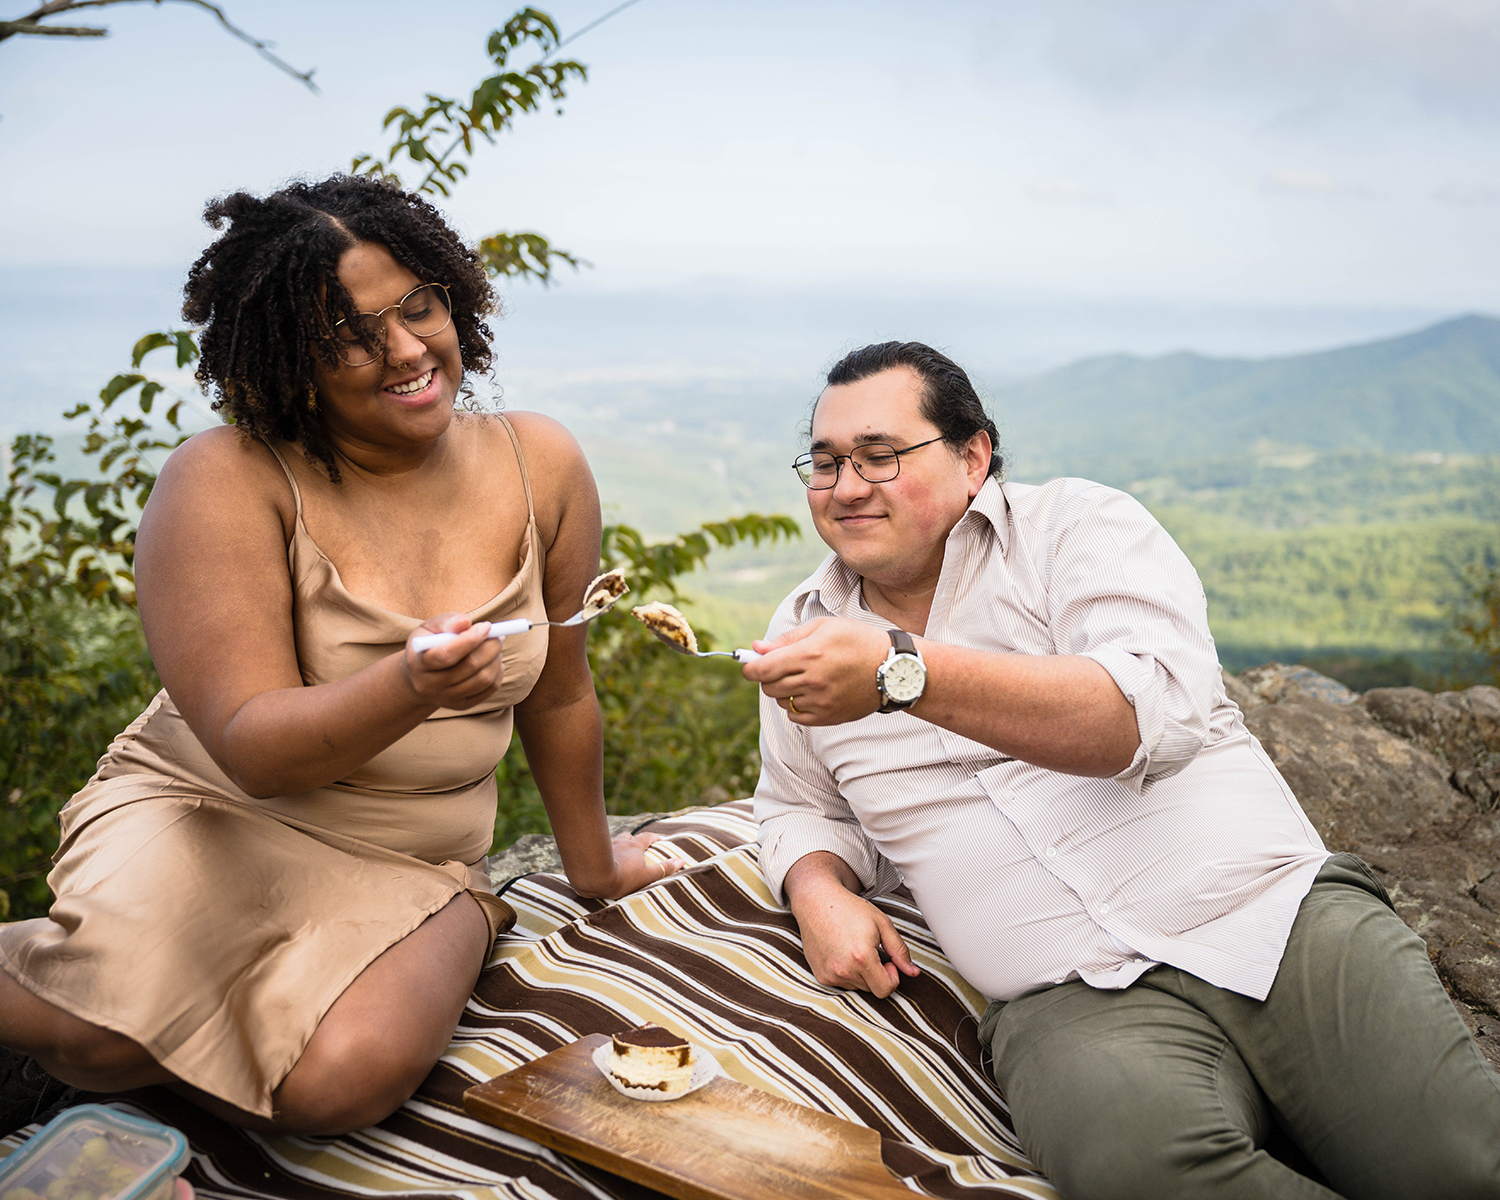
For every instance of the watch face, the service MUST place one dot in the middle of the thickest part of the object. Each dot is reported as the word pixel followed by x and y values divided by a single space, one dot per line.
pixel 903 679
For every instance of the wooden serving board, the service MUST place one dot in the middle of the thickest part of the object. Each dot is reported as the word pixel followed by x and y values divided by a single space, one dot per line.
pixel 726 1141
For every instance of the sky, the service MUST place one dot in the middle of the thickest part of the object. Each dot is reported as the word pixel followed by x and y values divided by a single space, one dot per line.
pixel 1324 151
pixel 1248 176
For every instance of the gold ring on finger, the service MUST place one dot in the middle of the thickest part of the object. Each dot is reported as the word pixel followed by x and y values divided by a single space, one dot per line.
pixel 792 704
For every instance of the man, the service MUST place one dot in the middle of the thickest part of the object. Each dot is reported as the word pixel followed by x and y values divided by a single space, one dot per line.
pixel 1007 697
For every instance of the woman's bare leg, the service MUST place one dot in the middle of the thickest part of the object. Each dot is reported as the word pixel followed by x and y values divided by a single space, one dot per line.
pixel 69 1048
pixel 385 1033
pixel 369 1053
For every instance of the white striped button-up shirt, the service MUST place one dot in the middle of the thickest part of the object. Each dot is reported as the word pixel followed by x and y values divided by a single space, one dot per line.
pixel 1197 854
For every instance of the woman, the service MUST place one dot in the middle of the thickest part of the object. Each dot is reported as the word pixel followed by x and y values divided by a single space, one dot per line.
pixel 273 896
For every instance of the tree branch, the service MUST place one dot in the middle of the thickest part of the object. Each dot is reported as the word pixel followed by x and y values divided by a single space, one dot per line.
pixel 597 21
pixel 29 24
pixel 7 28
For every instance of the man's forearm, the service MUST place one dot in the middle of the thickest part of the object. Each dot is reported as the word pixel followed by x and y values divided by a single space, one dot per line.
pixel 1063 712
pixel 844 935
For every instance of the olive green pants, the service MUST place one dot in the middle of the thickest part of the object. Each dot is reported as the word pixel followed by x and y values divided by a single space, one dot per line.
pixel 1356 1064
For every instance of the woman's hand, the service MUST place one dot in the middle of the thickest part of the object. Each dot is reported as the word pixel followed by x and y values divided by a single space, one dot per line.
pixel 633 868
pixel 458 674
pixel 637 870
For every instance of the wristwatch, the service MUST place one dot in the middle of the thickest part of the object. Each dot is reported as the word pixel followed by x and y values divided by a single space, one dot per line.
pixel 902 676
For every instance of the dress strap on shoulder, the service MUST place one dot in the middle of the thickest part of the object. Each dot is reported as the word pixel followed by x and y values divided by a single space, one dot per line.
pixel 292 479
pixel 520 461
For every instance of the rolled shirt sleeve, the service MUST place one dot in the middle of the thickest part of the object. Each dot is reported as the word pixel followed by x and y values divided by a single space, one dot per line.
pixel 1121 592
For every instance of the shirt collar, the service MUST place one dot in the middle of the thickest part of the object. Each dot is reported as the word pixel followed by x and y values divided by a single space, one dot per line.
pixel 836 586
pixel 989 505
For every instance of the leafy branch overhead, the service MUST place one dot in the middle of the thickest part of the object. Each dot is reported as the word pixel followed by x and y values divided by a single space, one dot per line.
pixel 31 24
pixel 73 665
pixel 656 566
pixel 121 447
pixel 491 109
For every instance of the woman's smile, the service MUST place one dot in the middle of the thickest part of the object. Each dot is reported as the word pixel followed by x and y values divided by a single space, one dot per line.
pixel 411 389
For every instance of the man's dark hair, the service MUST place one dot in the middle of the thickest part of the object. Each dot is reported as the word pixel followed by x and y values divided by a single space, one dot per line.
pixel 949 400
pixel 267 294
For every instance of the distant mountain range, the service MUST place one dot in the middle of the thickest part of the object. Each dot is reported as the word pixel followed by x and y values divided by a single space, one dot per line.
pixel 1434 390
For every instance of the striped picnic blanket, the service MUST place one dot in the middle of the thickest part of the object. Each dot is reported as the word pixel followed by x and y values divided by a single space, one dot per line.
pixel 707 953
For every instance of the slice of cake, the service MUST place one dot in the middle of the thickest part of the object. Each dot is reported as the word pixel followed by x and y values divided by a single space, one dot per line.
pixel 651 1057
pixel 605 590
pixel 668 624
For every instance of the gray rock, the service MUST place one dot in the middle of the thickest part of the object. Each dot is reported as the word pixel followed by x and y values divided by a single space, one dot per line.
pixel 1355 780
pixel 1408 781
pixel 1238 692
pixel 1462 729
pixel 1274 683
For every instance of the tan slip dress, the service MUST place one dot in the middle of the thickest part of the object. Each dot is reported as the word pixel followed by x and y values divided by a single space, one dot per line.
pixel 216 929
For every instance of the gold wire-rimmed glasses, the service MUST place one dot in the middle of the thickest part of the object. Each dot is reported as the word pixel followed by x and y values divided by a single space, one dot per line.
pixel 876 462
pixel 424 311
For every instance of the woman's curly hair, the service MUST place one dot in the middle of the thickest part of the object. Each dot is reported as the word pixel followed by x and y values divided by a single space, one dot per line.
pixel 267 294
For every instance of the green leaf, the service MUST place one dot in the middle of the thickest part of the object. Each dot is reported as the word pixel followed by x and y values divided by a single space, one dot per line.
pixel 119 385
pixel 152 341
pixel 187 347
pixel 64 493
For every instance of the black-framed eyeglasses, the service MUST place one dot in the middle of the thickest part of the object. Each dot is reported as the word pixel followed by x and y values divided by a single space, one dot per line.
pixel 876 462
pixel 425 310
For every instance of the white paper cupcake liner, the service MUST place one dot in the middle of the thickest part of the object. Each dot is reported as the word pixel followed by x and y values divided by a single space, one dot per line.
pixel 705 1067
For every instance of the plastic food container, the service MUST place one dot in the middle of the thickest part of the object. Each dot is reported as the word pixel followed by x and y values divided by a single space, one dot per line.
pixel 95 1153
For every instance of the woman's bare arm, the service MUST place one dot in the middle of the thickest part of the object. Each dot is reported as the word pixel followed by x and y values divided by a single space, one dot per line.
pixel 215 597
pixel 559 721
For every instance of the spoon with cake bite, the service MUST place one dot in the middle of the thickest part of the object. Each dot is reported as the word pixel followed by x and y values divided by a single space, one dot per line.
pixel 598 597
pixel 672 628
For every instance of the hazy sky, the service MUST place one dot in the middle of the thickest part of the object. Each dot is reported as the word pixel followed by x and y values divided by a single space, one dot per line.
pixel 1268 151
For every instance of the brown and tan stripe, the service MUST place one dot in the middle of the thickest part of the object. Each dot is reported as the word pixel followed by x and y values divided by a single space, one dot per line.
pixel 708 954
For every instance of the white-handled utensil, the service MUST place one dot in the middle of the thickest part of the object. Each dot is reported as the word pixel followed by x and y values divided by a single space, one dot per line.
pixel 499 629
pixel 739 656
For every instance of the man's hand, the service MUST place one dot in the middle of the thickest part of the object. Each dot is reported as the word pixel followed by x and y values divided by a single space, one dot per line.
pixel 843 934
pixel 823 672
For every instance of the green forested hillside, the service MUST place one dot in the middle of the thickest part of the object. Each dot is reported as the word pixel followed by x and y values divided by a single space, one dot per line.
pixel 1303 557
pixel 1332 502
pixel 1387 588
pixel 1322 553
pixel 1434 390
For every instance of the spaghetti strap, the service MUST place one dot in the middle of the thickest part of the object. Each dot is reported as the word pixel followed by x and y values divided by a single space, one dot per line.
pixel 297 492
pixel 520 461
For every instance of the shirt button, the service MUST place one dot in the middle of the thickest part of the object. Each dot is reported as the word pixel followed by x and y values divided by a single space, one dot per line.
pixel 1051 851
pixel 1104 909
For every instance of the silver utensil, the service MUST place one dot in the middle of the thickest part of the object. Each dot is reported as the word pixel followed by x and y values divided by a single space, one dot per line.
pixel 739 656
pixel 499 629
